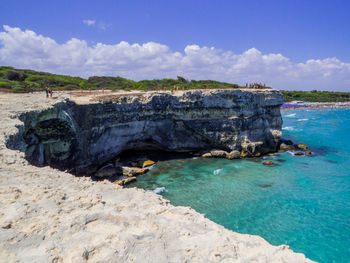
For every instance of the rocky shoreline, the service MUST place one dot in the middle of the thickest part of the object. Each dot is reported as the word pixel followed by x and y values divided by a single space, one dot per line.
pixel 49 215
pixel 125 170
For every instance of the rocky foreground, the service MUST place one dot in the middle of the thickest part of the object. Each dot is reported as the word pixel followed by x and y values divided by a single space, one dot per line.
pixel 51 216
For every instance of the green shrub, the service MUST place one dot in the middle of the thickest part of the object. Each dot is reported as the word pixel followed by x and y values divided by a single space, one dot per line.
pixel 69 87
pixel 18 89
pixel 5 85
pixel 316 96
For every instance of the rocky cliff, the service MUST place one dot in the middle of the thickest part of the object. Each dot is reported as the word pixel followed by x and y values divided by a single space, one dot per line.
pixel 52 216
pixel 85 136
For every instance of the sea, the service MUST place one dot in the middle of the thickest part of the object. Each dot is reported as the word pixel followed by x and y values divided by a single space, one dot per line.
pixel 301 201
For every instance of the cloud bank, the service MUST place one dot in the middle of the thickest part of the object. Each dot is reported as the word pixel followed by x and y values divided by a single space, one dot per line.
pixel 27 49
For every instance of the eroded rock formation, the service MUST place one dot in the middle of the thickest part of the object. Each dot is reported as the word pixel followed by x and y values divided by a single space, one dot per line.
pixel 86 136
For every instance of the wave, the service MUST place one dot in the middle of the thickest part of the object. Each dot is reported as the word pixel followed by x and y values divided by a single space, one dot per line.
pixel 302 119
pixel 159 190
pixel 217 171
pixel 288 128
pixel 291 115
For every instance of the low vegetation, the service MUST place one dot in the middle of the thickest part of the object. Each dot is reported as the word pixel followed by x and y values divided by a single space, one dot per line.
pixel 316 96
pixel 24 80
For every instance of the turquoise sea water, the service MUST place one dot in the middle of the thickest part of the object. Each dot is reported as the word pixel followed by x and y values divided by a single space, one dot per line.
pixel 303 202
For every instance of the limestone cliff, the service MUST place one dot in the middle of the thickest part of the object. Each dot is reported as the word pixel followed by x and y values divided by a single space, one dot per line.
pixel 84 136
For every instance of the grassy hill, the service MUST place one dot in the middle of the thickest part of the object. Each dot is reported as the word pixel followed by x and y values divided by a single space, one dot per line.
pixel 25 80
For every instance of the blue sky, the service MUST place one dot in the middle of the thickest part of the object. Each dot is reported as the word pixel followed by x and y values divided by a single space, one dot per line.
pixel 287 44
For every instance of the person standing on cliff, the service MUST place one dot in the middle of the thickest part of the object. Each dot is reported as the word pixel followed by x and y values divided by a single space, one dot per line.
pixel 47 92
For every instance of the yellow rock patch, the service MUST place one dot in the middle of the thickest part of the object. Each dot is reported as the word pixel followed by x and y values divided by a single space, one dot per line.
pixel 125 181
pixel 148 163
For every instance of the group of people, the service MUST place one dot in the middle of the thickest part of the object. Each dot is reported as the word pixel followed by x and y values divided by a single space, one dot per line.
pixel 255 85
pixel 48 92
pixel 176 88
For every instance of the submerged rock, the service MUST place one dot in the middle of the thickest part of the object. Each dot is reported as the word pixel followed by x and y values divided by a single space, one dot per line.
pixel 298 153
pixel 302 146
pixel 308 152
pixel 268 163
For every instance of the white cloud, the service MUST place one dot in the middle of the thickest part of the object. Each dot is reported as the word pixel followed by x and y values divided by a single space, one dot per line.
pixel 26 49
pixel 100 25
pixel 89 22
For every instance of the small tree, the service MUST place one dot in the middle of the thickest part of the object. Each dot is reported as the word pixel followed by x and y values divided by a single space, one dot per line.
pixel 13 75
pixel 16 76
pixel 182 79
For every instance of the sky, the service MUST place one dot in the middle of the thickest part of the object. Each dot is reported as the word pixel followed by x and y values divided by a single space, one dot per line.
pixel 286 44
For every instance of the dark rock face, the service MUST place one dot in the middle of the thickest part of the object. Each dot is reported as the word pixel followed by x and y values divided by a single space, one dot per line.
pixel 107 171
pixel 86 136
pixel 51 138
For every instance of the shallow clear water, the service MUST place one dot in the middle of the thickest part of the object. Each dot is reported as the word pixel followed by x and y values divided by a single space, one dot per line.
pixel 303 202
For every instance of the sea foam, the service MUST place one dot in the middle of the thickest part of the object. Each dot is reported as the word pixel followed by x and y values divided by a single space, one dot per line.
pixel 288 128
pixel 291 115
pixel 217 171
pixel 159 190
